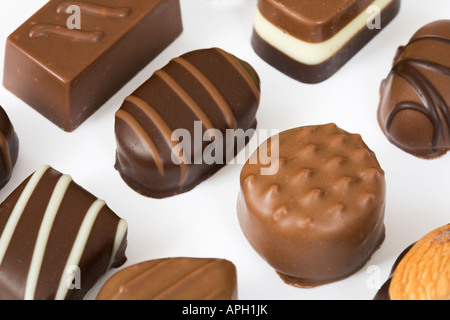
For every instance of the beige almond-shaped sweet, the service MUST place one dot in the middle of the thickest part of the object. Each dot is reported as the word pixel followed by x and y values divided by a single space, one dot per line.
pixel 424 272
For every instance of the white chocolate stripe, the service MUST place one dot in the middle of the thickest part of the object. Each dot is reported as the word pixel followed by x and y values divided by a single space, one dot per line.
pixel 122 229
pixel 17 212
pixel 43 235
pixel 307 52
pixel 78 247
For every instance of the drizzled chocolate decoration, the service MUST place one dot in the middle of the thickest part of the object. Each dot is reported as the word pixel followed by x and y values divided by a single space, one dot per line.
pixel 9 148
pixel 56 239
pixel 200 92
pixel 66 73
pixel 414 111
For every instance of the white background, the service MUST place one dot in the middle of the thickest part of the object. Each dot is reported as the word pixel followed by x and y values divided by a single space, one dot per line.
pixel 203 222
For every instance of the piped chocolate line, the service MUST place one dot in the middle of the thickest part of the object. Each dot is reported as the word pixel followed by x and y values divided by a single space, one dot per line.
pixel 47 30
pixel 435 107
pixel 95 10
pixel 163 128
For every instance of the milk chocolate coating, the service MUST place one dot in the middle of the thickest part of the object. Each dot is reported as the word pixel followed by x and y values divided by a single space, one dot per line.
pixel 67 74
pixel 320 217
pixel 201 90
pixel 56 239
pixel 414 110
pixel 9 148
pixel 316 22
pixel 173 279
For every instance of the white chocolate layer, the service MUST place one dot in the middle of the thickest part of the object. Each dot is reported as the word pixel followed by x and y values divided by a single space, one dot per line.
pixel 314 53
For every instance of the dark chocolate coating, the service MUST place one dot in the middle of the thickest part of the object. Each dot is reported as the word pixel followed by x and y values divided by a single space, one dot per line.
pixel 414 110
pixel 383 293
pixel 204 89
pixel 173 279
pixel 320 217
pixel 65 74
pixel 51 227
pixel 316 73
pixel 9 148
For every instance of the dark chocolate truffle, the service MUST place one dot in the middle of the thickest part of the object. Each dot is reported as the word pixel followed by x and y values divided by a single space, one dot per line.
pixel 166 129
pixel 9 148
pixel 311 40
pixel 173 279
pixel 320 216
pixel 70 57
pixel 56 239
pixel 414 111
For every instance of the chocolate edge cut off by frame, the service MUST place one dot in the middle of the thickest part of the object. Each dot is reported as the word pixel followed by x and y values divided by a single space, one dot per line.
pixel 202 90
pixel 56 239
pixel 173 279
pixel 414 108
pixel 383 292
pixel 316 73
pixel 9 148
pixel 67 74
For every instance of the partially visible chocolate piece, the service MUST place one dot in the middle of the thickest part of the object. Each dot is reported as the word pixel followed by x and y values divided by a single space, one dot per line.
pixel 67 73
pixel 173 279
pixel 320 216
pixel 422 271
pixel 166 127
pixel 9 148
pixel 311 40
pixel 414 110
pixel 56 239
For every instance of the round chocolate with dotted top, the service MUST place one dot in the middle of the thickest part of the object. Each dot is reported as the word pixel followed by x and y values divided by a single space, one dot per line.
pixel 318 215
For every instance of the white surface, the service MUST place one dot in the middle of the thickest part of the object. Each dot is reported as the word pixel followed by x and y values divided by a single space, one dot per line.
pixel 203 223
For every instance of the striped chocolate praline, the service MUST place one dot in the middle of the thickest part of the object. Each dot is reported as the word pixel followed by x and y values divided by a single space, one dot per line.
pixel 56 239
pixel 200 94
pixel 9 148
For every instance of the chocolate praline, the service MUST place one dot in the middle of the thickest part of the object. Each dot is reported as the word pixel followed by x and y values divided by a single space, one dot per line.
pixel 9 148
pixel 311 40
pixel 317 214
pixel 56 239
pixel 414 109
pixel 172 133
pixel 173 279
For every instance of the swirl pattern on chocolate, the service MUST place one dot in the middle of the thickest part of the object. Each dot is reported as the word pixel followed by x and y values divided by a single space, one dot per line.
pixel 414 112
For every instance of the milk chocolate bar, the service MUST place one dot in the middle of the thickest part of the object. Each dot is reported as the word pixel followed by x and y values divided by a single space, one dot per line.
pixel 319 216
pixel 9 148
pixel 56 239
pixel 311 40
pixel 70 57
pixel 414 110
pixel 173 279
pixel 172 132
